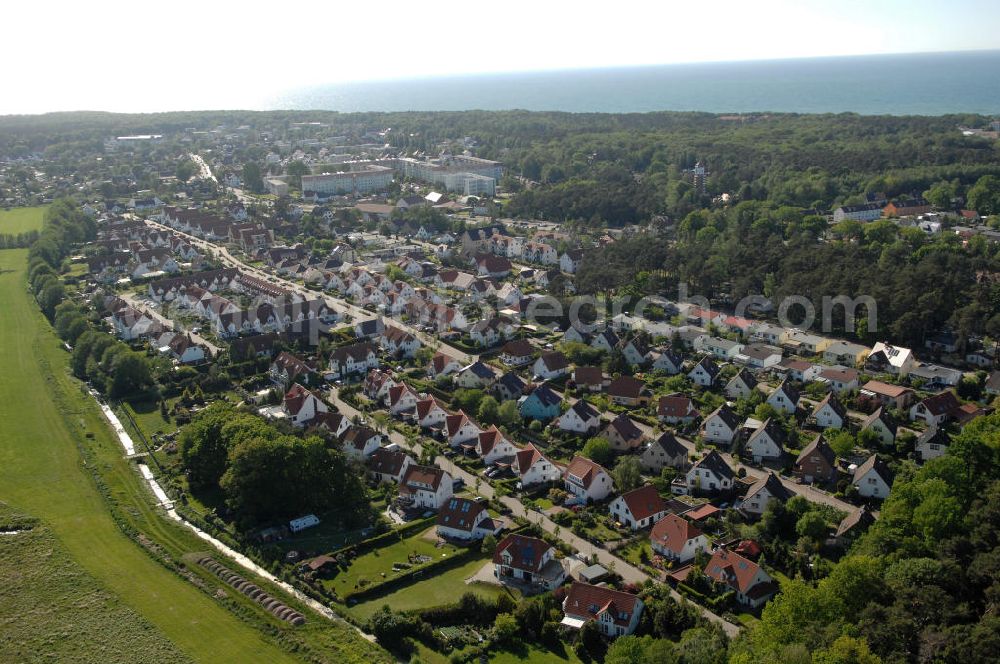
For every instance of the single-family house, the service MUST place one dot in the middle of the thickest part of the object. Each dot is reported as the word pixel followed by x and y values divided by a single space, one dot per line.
pixel 528 560
pixel 587 480
pixel 580 418
pixel 886 358
pixel 461 429
pixel 615 613
pixel 301 405
pixel 762 492
pixel 845 352
pixel 628 391
pixel 638 508
pixel 816 463
pixel 623 434
pixel 785 398
pixel 517 353
pixel 465 519
pixel 677 539
pixel 767 442
pixel 590 379
pixel 887 394
pixel 550 365
pixel 676 408
pixel 476 376
pixel 532 467
pixel 883 424
pixel 936 409
pixel 429 413
pixel 542 404
pixel 753 586
pixel 741 386
pixel 425 486
pixel 359 442
pixel 830 414
pixel 840 379
pixel 443 365
pixel 721 426
pixel 872 479
pixel 704 372
pixel 509 387
pixel 668 361
pixel 710 474
pixel 385 465
pixel 353 359
pixel 492 445
pixel 760 356
pixel 665 451
pixel 799 370
pixel 932 443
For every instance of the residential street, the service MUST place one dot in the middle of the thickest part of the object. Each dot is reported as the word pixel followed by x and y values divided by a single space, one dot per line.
pixel 144 307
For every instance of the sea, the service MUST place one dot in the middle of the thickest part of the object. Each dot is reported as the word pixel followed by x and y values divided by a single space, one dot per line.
pixel 911 84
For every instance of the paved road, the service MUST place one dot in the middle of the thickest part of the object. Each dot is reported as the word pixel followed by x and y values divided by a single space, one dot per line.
pixel 345 308
pixel 205 173
pixel 628 572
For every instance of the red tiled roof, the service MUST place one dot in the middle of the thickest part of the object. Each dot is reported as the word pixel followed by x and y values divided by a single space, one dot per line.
pixel 590 601
pixel 644 502
pixel 672 532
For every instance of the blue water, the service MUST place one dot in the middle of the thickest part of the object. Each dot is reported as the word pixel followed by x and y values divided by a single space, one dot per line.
pixel 913 84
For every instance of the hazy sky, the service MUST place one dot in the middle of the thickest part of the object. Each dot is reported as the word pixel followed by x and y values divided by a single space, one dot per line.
pixel 155 55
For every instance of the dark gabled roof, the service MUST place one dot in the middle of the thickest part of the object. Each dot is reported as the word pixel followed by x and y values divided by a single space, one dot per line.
pixel 546 396
pixel 834 403
pixel 584 410
pixel 460 513
pixel 518 348
pixel 709 366
pixel 588 376
pixel 773 430
pixel 746 377
pixel 790 390
pixel 512 382
pixel 876 464
pixel 933 435
pixel 727 415
pixel 713 461
pixel 626 427
pixel 773 485
pixel 881 414
pixel 818 446
pixel 628 387
pixel 554 360
pixel 670 445
pixel 526 552
pixel 941 403
pixel 860 518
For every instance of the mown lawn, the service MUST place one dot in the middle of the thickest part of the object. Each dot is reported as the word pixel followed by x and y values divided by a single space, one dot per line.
pixel 536 655
pixel 445 588
pixel 375 566
pixel 46 422
pixel 55 611
pixel 21 220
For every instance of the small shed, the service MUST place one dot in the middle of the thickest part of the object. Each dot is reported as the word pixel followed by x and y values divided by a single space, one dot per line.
pixel 593 574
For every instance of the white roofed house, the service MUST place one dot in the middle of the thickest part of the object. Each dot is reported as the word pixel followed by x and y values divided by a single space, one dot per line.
pixel 532 467
pixel 360 442
pixel 721 426
pixel 710 474
pixel 587 480
pixel 724 349
pixel 615 613
pixel 663 452
pixel 677 539
pixel 425 486
pixel 581 417
pixel 639 508
pixel 766 443
pixel 785 398
pixel 465 519
pixel 492 446
pixel 799 370
pixel 762 492
pixel 886 358
pixel 830 414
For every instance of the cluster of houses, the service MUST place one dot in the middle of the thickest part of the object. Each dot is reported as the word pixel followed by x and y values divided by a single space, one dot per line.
pixel 132 250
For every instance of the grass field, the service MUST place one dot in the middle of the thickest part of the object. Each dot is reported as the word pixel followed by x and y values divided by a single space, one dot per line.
pixel 44 416
pixel 376 565
pixel 54 611
pixel 21 220
pixel 437 590
pixel 535 655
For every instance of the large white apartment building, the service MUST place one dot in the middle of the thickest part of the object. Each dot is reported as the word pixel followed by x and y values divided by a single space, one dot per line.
pixel 363 178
